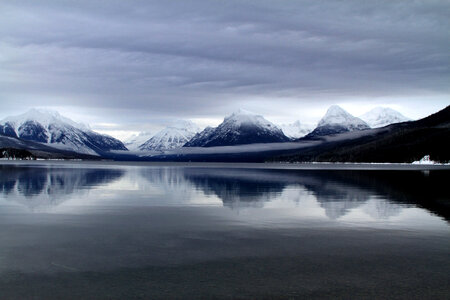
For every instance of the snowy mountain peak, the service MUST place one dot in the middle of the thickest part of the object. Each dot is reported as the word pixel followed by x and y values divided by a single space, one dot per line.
pixel 185 125
pixel 134 141
pixel 49 127
pixel 171 137
pixel 337 115
pixel 39 112
pixel 242 111
pixel 296 130
pixel 337 120
pixel 246 118
pixel 241 127
pixel 44 116
pixel 333 109
pixel 383 116
pixel 242 114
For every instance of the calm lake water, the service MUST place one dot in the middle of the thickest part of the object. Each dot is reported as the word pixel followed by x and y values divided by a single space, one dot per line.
pixel 184 231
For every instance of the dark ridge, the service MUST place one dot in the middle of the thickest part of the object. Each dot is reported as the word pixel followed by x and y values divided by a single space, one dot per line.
pixel 402 143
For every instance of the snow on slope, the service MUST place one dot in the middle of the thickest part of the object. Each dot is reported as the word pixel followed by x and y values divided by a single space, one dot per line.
pixel 49 127
pixel 337 116
pixel 134 141
pixel 171 137
pixel 44 117
pixel 296 130
pixel 337 120
pixel 383 116
pixel 241 127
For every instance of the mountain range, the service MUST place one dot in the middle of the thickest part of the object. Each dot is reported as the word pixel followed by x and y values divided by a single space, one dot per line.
pixel 396 143
pixel 400 142
pixel 339 136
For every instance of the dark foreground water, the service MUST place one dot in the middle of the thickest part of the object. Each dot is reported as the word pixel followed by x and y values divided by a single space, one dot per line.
pixel 88 231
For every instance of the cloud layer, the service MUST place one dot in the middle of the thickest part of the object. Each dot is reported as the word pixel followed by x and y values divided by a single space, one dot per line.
pixel 148 61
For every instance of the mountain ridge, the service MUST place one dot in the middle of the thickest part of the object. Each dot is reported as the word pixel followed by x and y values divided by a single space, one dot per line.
pixel 239 128
pixel 396 143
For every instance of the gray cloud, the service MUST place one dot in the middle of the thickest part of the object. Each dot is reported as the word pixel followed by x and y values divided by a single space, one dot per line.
pixel 192 59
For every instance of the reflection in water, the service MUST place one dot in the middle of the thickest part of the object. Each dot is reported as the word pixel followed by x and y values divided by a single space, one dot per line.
pixel 338 192
pixel 162 232
pixel 380 209
pixel 379 194
pixel 237 188
pixel 330 192
pixel 42 187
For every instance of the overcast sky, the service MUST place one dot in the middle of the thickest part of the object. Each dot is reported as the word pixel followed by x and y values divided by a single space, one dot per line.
pixel 128 66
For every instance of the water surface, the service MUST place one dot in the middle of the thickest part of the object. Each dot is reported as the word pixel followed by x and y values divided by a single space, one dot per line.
pixel 184 231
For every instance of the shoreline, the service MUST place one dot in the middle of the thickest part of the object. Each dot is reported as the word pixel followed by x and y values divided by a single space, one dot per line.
pixel 241 165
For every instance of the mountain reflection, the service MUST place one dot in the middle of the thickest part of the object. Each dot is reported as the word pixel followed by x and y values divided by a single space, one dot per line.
pixel 378 194
pixel 238 188
pixel 46 186
pixel 382 193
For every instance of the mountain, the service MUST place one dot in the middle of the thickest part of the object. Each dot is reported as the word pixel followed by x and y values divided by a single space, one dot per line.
pixel 242 127
pixel 134 141
pixel 14 147
pixel 383 116
pixel 171 137
pixel 203 136
pixel 397 143
pixel 49 127
pixel 296 130
pixel 335 121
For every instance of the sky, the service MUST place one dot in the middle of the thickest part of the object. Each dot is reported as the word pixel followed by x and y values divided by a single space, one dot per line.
pixel 130 66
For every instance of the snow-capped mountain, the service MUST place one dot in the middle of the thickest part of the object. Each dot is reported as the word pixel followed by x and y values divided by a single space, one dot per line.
pixel 337 120
pixel 171 137
pixel 242 127
pixel 296 130
pixel 201 137
pixel 383 116
pixel 49 127
pixel 134 141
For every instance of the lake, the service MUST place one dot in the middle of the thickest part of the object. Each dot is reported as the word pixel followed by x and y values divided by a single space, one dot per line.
pixel 190 231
